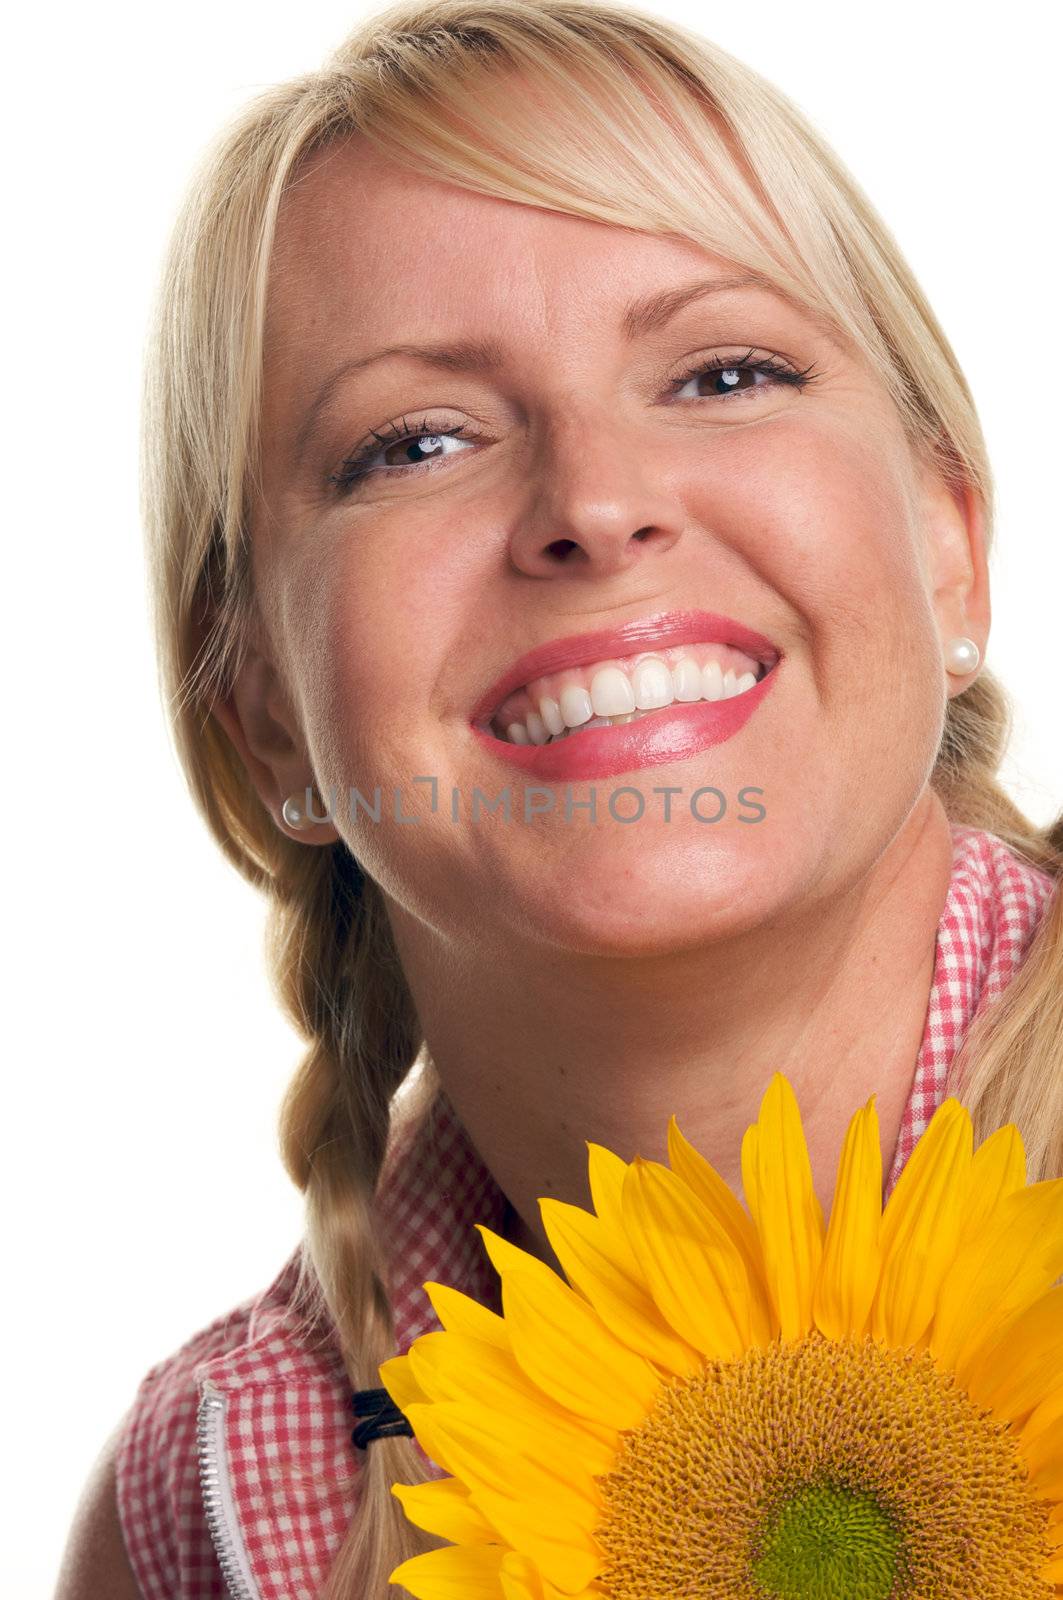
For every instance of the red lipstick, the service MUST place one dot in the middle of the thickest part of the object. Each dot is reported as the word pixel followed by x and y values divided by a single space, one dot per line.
pixel 671 734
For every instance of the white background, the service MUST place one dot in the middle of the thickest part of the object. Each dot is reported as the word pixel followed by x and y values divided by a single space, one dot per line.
pixel 145 1055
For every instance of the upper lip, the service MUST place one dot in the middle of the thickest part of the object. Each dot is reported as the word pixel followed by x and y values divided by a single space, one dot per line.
pixel 628 638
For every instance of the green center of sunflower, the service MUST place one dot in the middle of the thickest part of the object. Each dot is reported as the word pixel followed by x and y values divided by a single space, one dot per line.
pixel 829 1542
pixel 819 1470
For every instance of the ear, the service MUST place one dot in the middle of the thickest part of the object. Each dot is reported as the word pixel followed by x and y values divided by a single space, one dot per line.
pixel 953 521
pixel 260 724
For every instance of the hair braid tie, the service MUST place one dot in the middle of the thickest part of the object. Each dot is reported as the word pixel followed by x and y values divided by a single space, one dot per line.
pixel 381 1417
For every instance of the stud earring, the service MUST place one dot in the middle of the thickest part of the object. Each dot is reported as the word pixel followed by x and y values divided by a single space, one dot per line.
pixel 293 813
pixel 961 656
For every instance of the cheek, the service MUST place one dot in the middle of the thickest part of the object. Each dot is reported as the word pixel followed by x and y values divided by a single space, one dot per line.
pixel 824 518
pixel 378 624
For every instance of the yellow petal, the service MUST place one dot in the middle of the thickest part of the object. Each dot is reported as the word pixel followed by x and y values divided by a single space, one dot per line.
pixel 444 1508
pixel 396 1375
pixel 997 1170
pixel 1016 1371
pixel 1016 1258
pixel 509 1456
pixel 560 1549
pixel 1045 1461
pixel 788 1213
pixel 695 1272
pixel 607 1172
pixel 751 1176
pixel 921 1227
pixel 521 1581
pixel 586 1248
pixel 506 1256
pixel 460 1314
pixel 453 1367
pixel 429 1375
pixel 565 1348
pixel 701 1176
pixel 848 1275
pixel 454 1573
pixel 1042 1436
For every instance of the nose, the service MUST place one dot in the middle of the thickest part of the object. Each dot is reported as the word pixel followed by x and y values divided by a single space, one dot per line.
pixel 598 503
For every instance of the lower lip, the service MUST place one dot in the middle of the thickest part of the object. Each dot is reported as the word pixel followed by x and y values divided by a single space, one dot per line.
pixel 673 734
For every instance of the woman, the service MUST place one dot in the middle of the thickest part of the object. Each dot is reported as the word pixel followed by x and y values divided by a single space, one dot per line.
pixel 671 520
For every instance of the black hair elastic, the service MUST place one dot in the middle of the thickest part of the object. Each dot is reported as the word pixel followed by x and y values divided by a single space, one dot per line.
pixel 381 1417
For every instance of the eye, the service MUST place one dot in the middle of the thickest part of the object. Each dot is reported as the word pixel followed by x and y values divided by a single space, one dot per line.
pixel 423 448
pixel 415 448
pixel 729 376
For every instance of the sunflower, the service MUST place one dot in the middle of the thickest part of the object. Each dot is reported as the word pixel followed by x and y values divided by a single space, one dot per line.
pixel 738 1404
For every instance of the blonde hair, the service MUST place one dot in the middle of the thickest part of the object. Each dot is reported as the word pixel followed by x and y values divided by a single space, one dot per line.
pixel 651 128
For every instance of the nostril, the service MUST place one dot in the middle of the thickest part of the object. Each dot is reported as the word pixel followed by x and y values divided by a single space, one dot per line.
pixel 561 548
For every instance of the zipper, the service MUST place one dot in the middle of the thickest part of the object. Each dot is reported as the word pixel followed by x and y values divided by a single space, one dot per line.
pixel 218 1499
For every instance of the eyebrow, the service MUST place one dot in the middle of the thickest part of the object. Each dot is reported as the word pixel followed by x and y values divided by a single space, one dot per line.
pixel 487 356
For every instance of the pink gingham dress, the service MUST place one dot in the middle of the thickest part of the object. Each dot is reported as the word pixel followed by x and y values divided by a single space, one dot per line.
pixel 246 1428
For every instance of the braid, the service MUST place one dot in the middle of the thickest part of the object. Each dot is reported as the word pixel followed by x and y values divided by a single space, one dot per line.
pixel 1009 1067
pixel 336 971
pixel 978 727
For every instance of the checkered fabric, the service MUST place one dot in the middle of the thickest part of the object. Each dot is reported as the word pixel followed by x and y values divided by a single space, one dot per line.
pixel 992 909
pixel 284 1396
pixel 290 1462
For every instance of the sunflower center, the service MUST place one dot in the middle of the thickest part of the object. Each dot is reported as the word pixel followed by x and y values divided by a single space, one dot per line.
pixel 831 1542
pixel 821 1470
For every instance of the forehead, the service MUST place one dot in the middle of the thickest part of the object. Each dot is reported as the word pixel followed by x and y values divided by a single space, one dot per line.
pixel 367 249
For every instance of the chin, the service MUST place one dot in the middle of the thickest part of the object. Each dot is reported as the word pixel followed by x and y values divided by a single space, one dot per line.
pixel 654 895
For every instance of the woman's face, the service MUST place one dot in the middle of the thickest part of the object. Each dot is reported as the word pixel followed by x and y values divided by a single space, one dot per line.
pixel 594 476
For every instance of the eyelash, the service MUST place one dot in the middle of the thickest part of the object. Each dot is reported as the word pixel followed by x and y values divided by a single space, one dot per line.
pixel 352 469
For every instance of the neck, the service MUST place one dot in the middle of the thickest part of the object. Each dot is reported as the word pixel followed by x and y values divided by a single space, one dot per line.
pixel 543 1053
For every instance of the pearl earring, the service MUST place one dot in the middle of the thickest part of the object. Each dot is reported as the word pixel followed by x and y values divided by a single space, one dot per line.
pixel 961 656
pixel 292 812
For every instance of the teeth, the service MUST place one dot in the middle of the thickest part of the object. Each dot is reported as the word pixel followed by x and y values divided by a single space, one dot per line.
pixel 550 712
pixel 711 681
pixel 686 679
pixel 614 698
pixel 611 693
pixel 576 707
pixel 603 722
pixel 652 683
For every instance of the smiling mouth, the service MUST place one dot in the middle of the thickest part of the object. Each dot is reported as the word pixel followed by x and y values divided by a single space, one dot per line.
pixel 622 689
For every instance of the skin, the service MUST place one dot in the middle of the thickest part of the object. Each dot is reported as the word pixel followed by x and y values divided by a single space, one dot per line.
pixel 578 982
